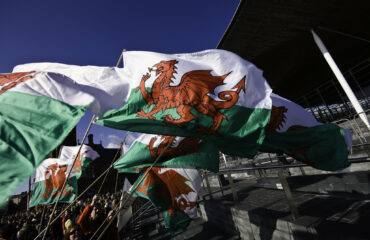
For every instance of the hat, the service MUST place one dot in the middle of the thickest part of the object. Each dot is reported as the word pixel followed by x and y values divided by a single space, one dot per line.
pixel 68 224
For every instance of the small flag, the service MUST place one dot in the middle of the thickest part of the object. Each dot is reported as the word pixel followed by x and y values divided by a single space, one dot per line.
pixel 50 177
pixel 86 156
pixel 181 152
pixel 175 192
pixel 126 185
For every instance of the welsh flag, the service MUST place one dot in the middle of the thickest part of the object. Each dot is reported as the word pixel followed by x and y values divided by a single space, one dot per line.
pixel 182 152
pixel 37 111
pixel 50 176
pixel 175 192
pixel 213 95
pixel 85 157
pixel 294 131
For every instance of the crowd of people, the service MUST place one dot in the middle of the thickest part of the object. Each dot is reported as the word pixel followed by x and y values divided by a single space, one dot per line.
pixel 80 221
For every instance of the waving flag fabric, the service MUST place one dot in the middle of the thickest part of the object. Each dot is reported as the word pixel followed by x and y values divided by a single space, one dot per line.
pixel 213 95
pixel 175 192
pixel 50 176
pixel 296 132
pixel 37 111
pixel 182 152
pixel 86 156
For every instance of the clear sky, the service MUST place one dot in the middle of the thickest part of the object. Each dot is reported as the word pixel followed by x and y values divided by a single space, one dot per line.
pixel 94 32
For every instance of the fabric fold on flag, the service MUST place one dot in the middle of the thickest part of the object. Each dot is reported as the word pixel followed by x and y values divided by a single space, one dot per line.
pixel 85 157
pixel 50 177
pixel 213 95
pixel 182 152
pixel 37 111
pixel 294 131
pixel 175 192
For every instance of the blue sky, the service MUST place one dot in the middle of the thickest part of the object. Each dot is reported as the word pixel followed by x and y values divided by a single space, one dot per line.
pixel 92 32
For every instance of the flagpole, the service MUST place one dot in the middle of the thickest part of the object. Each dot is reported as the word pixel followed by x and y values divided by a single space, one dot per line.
pixel 42 218
pixel 29 193
pixel 115 187
pixel 69 173
pixel 120 57
pixel 133 189
pixel 224 157
pixel 347 89
pixel 84 138
pixel 113 160
pixel 102 224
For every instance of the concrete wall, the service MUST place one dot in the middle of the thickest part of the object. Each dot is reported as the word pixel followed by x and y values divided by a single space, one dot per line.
pixel 252 225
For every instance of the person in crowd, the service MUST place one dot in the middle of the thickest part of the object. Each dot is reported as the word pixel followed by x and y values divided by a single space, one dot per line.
pixel 73 233
pixel 91 217
pixel 80 221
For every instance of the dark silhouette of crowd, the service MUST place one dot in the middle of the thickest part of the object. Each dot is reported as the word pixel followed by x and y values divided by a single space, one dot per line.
pixel 80 221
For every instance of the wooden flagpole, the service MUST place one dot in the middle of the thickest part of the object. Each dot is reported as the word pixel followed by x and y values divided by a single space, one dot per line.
pixel 81 194
pixel 124 139
pixel 115 187
pixel 113 161
pixel 132 190
pixel 70 170
pixel 69 173
pixel 42 218
pixel 29 193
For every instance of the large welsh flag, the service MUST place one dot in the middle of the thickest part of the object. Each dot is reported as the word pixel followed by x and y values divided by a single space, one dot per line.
pixel 182 152
pixel 37 111
pixel 84 158
pixel 50 176
pixel 294 131
pixel 175 192
pixel 213 95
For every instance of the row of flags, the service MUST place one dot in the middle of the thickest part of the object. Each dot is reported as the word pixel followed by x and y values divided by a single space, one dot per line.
pixel 201 103
pixel 172 190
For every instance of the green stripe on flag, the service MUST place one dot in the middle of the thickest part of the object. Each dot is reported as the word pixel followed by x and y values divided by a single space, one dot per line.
pixel 176 222
pixel 44 194
pixel 30 128
pixel 138 156
pixel 323 146
pixel 80 171
pixel 241 133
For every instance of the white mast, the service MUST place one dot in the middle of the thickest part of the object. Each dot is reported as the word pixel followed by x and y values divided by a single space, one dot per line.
pixel 347 89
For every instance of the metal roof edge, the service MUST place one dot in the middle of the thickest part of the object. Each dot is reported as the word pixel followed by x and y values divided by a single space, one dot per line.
pixel 232 22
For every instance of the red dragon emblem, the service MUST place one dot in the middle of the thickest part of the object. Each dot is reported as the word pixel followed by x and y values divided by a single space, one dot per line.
pixel 191 93
pixel 188 146
pixel 55 181
pixel 8 81
pixel 77 165
pixel 177 186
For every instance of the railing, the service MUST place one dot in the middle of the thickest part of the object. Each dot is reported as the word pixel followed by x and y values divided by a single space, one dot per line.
pixel 284 184
pixel 328 102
